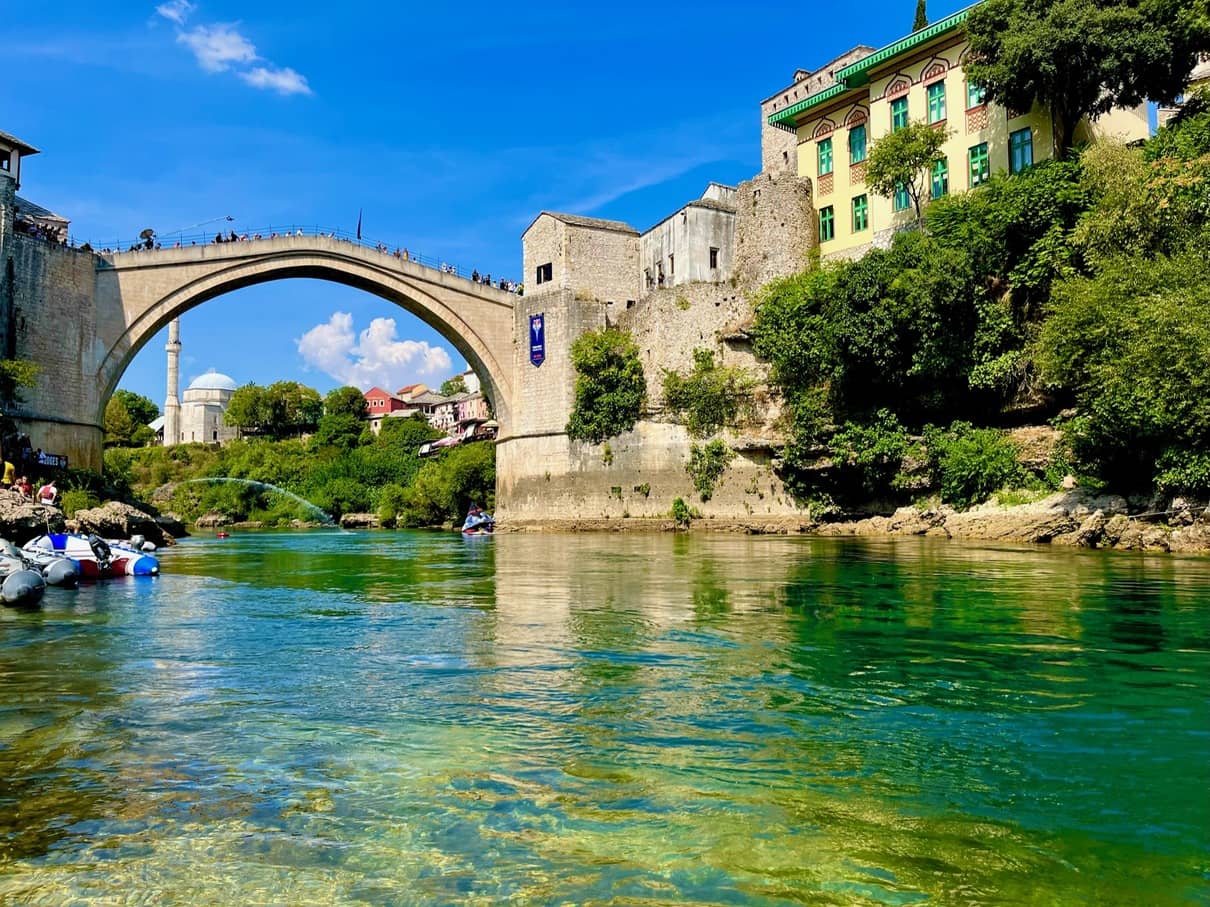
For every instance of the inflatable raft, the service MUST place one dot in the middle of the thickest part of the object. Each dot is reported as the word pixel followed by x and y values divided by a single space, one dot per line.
pixel 97 558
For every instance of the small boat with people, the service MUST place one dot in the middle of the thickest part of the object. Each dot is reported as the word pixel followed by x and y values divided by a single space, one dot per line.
pixel 96 557
pixel 478 522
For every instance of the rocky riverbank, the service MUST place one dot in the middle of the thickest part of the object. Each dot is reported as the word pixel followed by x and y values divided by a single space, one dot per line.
pixel 22 520
pixel 1075 518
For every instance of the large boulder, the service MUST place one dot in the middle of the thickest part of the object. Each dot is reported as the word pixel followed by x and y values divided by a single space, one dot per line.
pixel 115 520
pixel 22 519
pixel 359 521
pixel 212 520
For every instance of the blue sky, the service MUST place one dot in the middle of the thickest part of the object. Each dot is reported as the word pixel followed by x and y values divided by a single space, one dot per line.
pixel 450 126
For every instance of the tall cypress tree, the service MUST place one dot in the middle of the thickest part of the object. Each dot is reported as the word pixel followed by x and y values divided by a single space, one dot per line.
pixel 922 17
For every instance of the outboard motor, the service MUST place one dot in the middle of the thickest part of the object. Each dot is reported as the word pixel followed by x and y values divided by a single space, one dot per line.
pixel 62 572
pixel 22 588
pixel 101 549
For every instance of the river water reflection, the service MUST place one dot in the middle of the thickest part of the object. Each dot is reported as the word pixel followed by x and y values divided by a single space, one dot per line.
pixel 382 718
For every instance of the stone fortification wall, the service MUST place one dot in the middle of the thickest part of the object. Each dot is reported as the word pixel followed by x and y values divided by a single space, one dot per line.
pixel 636 475
pixel 542 243
pixel 53 321
pixel 669 324
pixel 775 228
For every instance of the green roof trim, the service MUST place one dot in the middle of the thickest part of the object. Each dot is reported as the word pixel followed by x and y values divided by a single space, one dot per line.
pixel 785 118
pixel 857 74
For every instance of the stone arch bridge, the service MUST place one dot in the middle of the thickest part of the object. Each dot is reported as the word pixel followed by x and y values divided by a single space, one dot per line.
pixel 82 317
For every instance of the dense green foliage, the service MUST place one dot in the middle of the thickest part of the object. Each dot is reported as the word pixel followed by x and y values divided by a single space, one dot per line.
pixel 709 398
pixel 127 415
pixel 971 463
pixel 375 473
pixel 921 19
pixel 1084 57
pixel 284 409
pixel 453 386
pixel 14 375
pixel 903 159
pixel 610 387
pixel 1082 283
pixel 706 466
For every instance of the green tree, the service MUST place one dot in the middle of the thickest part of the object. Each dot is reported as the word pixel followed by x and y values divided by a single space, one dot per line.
pixel 289 408
pixel 610 388
pixel 142 410
pixel 452 386
pixel 119 426
pixel 922 16
pixel 14 375
pixel 902 160
pixel 343 420
pixel 244 409
pixel 1081 58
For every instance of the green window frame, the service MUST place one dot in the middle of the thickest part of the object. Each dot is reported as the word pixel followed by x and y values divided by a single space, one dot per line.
pixel 824 147
pixel 857 143
pixel 980 168
pixel 901 201
pixel 1020 150
pixel 861 213
pixel 899 114
pixel 936 98
pixel 976 95
pixel 939 185
pixel 827 224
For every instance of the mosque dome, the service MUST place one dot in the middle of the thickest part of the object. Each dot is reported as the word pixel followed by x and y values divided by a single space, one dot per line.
pixel 212 381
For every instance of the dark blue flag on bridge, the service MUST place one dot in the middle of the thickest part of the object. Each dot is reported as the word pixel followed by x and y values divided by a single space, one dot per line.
pixel 537 339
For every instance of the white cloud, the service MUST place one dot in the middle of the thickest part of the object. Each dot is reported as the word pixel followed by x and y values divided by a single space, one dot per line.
pixel 218 46
pixel 176 10
pixel 222 47
pixel 375 357
pixel 283 81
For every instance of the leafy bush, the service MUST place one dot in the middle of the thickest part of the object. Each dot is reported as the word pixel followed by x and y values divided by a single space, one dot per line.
pixel 76 499
pixel 680 513
pixel 391 501
pixel 969 464
pixel 706 466
pixel 710 397
pixel 867 458
pixel 610 388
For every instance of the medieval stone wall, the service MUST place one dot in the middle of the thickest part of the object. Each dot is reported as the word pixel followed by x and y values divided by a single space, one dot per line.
pixel 604 264
pixel 775 228
pixel 53 323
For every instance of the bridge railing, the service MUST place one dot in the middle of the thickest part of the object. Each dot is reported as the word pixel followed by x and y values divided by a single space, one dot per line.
pixel 278 231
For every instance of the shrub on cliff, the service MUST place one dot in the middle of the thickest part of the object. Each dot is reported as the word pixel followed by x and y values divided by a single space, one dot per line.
pixel 710 397
pixel 610 387
pixel 968 464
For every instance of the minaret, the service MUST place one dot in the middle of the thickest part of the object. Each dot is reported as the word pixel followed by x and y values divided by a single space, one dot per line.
pixel 172 405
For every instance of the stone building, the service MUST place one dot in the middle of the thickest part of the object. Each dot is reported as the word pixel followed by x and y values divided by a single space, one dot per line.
pixel 695 244
pixel 778 147
pixel 201 410
pixel 918 78
pixel 584 255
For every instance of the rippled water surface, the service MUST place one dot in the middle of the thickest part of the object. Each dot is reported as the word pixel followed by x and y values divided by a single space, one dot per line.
pixel 378 718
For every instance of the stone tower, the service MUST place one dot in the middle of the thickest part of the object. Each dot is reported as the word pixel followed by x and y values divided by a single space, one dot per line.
pixel 172 404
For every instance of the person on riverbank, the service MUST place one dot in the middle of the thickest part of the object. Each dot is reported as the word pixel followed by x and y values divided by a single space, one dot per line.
pixel 48 494
pixel 10 475
pixel 23 488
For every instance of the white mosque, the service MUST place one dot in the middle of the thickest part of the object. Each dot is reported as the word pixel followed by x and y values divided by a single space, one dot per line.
pixel 198 414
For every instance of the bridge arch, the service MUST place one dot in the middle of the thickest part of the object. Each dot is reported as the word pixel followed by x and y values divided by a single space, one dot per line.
pixel 138 293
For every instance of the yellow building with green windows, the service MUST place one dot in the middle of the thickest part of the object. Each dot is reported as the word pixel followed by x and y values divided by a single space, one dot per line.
pixel 917 78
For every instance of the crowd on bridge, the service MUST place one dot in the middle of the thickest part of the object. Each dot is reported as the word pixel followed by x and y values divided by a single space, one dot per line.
pixel 45 232
pixel 149 243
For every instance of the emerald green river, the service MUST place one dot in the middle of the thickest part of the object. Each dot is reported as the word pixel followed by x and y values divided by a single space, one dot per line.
pixel 418 718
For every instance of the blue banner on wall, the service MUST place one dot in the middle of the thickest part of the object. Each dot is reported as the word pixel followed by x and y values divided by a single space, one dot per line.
pixel 537 339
